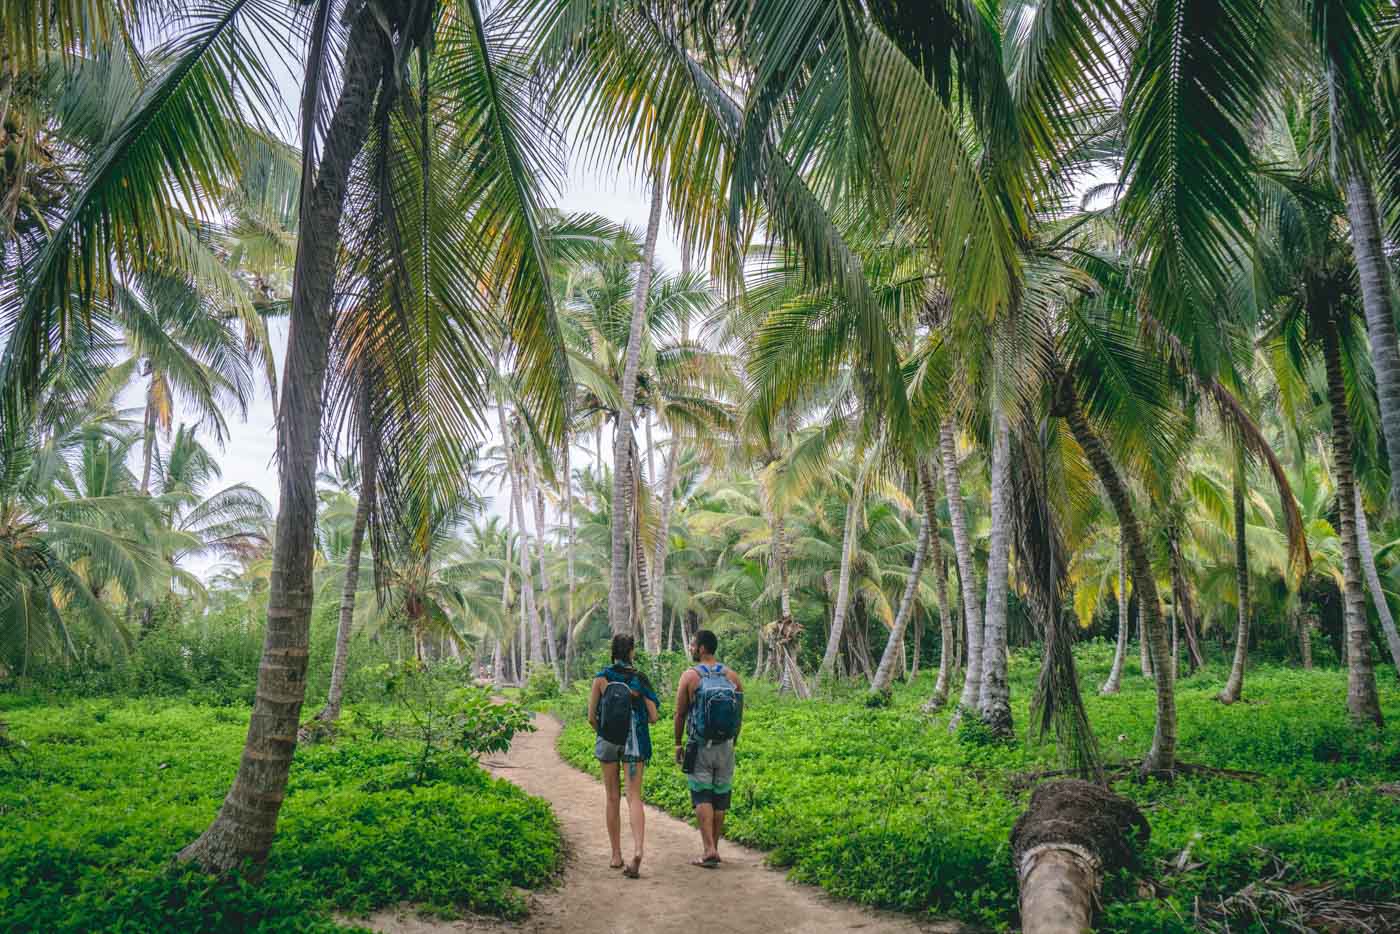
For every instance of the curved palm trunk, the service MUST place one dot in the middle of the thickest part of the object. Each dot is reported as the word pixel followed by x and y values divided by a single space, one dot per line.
pixel 947 650
pixel 619 590
pixel 994 698
pixel 1120 651
pixel 1362 701
pixel 894 648
pixel 1373 583
pixel 843 583
pixel 369 462
pixel 1162 756
pixel 967 573
pixel 1235 682
pixel 1374 274
pixel 247 821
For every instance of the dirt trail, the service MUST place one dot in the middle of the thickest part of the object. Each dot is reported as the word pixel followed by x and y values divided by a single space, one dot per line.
pixel 671 897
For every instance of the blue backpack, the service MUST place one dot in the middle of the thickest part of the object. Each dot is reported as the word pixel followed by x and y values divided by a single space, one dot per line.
pixel 715 715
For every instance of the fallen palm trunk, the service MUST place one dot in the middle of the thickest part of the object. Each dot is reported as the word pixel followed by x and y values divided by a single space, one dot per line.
pixel 1070 835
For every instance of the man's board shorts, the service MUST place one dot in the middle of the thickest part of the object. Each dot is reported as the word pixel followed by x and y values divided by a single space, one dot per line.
pixel 713 776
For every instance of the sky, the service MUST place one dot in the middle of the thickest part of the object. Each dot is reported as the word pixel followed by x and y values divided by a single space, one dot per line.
pixel 619 195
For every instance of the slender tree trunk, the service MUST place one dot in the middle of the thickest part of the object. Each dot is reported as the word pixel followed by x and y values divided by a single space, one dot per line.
pixel 369 462
pixel 663 540
pixel 1374 274
pixel 894 648
pixel 947 649
pixel 516 472
pixel 1115 674
pixel 1144 651
pixel 148 446
pixel 1162 756
pixel 843 585
pixel 1373 583
pixel 1181 589
pixel 1305 640
pixel 569 593
pixel 534 474
pixel 994 699
pixel 619 593
pixel 247 821
pixel 967 573
pixel 1362 702
pixel 1235 682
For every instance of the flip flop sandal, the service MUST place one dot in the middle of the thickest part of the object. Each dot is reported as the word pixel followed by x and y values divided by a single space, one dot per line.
pixel 633 870
pixel 707 863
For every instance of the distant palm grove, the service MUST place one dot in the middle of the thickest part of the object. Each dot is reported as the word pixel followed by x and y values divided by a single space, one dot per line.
pixel 999 326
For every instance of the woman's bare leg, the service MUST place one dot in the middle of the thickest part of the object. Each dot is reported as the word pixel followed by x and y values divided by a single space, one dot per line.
pixel 613 789
pixel 636 812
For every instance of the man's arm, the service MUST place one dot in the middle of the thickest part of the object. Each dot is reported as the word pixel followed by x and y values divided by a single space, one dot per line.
pixel 682 708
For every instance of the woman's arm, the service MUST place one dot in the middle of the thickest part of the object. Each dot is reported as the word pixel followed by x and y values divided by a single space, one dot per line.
pixel 652 713
pixel 593 696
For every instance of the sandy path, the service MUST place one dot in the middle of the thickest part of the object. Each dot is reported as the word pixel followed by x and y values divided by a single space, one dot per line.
pixel 671 897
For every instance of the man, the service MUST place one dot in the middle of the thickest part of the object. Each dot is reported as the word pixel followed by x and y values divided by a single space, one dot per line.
pixel 709 700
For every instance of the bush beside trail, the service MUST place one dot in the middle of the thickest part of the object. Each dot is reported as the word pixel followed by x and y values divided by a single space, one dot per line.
pixel 98 796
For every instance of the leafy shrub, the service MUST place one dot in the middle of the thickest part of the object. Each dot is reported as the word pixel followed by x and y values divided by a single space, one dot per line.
pixel 541 685
pixel 91 826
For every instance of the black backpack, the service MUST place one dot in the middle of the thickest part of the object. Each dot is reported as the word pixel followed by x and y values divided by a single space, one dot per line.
pixel 615 712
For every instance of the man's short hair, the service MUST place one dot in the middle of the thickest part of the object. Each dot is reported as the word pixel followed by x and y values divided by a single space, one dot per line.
pixel 707 641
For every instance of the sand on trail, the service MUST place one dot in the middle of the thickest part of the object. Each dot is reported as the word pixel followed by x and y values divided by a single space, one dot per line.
pixel 671 897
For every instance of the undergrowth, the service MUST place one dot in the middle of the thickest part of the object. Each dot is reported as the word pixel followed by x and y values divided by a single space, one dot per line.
pixel 99 795
pixel 882 805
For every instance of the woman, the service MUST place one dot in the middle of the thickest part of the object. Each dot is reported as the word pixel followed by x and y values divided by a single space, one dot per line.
pixel 635 752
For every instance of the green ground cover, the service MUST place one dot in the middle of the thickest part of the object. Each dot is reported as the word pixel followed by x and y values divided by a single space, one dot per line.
pixel 885 807
pixel 107 790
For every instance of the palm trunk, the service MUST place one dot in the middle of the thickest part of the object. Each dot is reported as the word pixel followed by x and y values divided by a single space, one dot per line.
pixel 1362 701
pixel 516 473
pixel 967 573
pixel 1181 590
pixel 619 592
pixel 1071 836
pixel 643 569
pixel 1115 674
pixel 148 446
pixel 247 821
pixel 369 461
pixel 1373 583
pixel 569 592
pixel 1162 756
pixel 1144 652
pixel 843 583
pixel 1235 682
pixel 537 496
pixel 947 649
pixel 663 541
pixel 894 648
pixel 1305 640
pixel 994 699
pixel 1374 274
